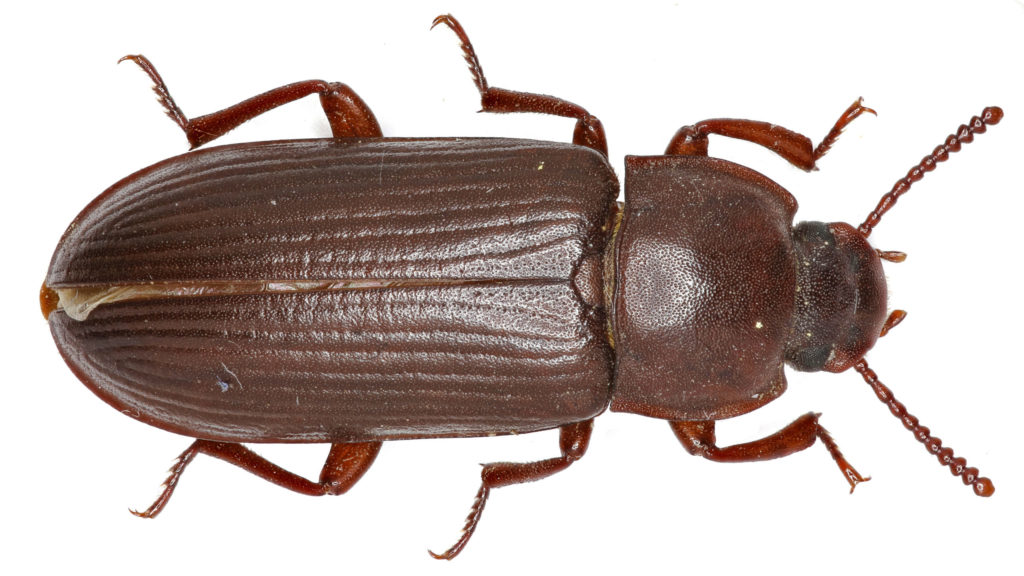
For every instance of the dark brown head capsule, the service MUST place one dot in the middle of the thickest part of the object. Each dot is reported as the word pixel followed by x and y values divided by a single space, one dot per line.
pixel 361 289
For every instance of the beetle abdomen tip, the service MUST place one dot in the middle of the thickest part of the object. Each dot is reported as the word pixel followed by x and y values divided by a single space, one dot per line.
pixel 47 300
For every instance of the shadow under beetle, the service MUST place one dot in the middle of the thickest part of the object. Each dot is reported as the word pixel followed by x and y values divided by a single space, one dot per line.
pixel 360 289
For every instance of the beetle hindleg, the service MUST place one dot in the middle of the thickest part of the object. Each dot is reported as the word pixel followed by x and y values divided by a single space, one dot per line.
pixel 795 148
pixel 589 132
pixel 699 439
pixel 573 440
pixel 346 463
pixel 348 115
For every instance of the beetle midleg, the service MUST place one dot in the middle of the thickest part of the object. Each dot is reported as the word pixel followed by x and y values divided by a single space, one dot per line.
pixel 573 440
pixel 699 439
pixel 795 148
pixel 347 113
pixel 346 463
pixel 588 132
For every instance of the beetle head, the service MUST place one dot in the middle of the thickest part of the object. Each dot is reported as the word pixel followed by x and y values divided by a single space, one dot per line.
pixel 841 292
pixel 840 297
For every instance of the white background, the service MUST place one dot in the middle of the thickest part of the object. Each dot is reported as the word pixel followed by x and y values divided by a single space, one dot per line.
pixel 74 123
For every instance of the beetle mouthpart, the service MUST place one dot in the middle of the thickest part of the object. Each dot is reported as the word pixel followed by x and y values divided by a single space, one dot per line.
pixel 892 321
pixel 48 300
pixel 892 255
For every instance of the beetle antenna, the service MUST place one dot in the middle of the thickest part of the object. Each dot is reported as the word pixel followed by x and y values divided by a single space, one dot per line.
pixel 964 135
pixel 958 466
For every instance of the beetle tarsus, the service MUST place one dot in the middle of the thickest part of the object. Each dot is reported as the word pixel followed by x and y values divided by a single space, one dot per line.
pixel 467 50
pixel 174 474
pixel 160 88
pixel 851 113
pixel 472 519
pixel 849 472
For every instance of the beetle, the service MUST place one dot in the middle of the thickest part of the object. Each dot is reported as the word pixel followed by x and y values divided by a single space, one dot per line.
pixel 362 289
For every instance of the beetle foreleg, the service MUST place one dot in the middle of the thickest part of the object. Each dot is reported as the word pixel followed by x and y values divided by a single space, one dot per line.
pixel 345 465
pixel 347 113
pixel 795 148
pixel 589 131
pixel 573 440
pixel 699 439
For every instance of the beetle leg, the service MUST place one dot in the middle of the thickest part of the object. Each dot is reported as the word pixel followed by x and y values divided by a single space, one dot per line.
pixel 589 132
pixel 699 439
pixel 573 440
pixel 345 465
pixel 347 113
pixel 795 148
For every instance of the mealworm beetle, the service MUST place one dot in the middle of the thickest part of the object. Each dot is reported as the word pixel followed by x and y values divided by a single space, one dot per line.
pixel 362 289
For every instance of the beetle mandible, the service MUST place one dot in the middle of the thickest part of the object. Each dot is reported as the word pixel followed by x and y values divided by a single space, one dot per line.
pixel 362 289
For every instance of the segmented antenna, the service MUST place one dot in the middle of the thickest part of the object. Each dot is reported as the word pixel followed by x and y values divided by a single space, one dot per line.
pixel 958 466
pixel 964 135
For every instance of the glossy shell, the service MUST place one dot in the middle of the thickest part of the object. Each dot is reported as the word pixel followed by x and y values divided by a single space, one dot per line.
pixel 432 288
pixel 705 287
